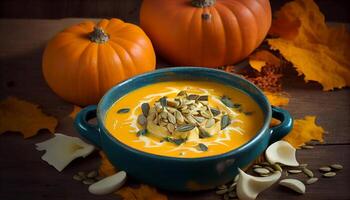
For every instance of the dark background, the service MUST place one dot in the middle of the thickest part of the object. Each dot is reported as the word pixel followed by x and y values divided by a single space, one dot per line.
pixel 334 10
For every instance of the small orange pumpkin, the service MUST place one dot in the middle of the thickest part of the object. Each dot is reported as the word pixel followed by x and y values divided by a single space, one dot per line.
pixel 207 33
pixel 82 62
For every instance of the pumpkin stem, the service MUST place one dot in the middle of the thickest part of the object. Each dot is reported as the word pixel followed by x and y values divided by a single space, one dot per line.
pixel 98 35
pixel 203 3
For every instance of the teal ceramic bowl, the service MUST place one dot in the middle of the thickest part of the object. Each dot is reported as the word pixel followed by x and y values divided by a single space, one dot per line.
pixel 181 174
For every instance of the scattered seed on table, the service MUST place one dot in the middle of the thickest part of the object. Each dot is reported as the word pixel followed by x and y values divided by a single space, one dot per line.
pixel 336 166
pixel 269 168
pixel 77 177
pixel 277 167
pixel 82 174
pixel 233 185
pixel 325 169
pixel 303 165
pixel 311 180
pixel 261 171
pixel 88 181
pixel 232 194
pixel 236 178
pixel 257 166
pixel 307 147
pixel 294 171
pixel 92 174
pixel 329 174
pixel 221 192
pixel 221 187
pixel 308 172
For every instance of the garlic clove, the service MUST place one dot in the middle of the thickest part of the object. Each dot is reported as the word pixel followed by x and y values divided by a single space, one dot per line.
pixel 294 184
pixel 62 149
pixel 108 184
pixel 248 187
pixel 281 152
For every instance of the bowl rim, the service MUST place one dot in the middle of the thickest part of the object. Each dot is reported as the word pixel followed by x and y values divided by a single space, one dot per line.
pixel 230 153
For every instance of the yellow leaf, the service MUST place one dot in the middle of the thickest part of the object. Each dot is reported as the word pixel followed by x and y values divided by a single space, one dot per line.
pixel 22 116
pixel 277 99
pixel 106 168
pixel 144 192
pixel 303 131
pixel 318 51
pixel 75 111
pixel 261 58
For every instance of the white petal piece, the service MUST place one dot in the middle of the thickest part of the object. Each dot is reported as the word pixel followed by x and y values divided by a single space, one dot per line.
pixel 281 152
pixel 248 187
pixel 109 184
pixel 62 149
pixel 294 184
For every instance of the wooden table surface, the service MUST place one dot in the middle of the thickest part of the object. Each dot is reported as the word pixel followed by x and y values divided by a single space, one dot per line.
pixel 23 175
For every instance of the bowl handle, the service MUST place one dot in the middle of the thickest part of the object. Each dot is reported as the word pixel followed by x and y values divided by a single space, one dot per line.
pixel 89 131
pixel 282 129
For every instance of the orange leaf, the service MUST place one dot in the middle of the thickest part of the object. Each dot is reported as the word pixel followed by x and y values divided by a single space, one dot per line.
pixel 303 131
pixel 22 116
pixel 76 110
pixel 261 58
pixel 277 99
pixel 144 192
pixel 318 51
pixel 106 168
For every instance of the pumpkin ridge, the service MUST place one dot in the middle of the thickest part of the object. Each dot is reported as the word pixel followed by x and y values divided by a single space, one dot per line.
pixel 256 22
pixel 223 30
pixel 188 43
pixel 122 73
pixel 134 69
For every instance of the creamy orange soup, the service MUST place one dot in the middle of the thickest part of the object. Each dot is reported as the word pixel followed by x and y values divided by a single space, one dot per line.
pixel 245 119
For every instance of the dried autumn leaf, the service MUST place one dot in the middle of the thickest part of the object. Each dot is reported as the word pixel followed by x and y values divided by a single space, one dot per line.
pixel 277 99
pixel 261 58
pixel 76 110
pixel 144 192
pixel 304 130
pixel 319 51
pixel 22 116
pixel 106 168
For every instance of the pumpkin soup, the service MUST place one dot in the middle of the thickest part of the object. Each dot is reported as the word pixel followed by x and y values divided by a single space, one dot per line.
pixel 186 119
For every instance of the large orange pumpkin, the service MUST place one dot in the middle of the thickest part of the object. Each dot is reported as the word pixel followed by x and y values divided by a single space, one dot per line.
pixel 82 62
pixel 205 32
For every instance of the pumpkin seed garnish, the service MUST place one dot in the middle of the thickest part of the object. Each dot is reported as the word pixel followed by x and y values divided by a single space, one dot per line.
pixel 185 127
pixel 248 113
pixel 142 120
pixel 163 101
pixel 202 147
pixel 210 122
pixel 214 111
pixel 225 121
pixel 311 180
pixel 182 93
pixel 141 132
pixel 203 133
pixel 193 97
pixel 77 177
pixel 170 127
pixel 199 119
pixel 329 174
pixel 176 141
pixel 336 166
pixel 325 169
pixel 145 109
pixel 203 98
pixel 227 101
pixel 171 118
pixel 123 110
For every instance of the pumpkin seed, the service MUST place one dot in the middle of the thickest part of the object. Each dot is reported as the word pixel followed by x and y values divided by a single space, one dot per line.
pixel 308 172
pixel 277 167
pixel 92 174
pixel 123 110
pixel 236 178
pixel 170 127
pixel 77 177
pixel 141 132
pixel 171 118
pixel 226 197
pixel 311 180
pixel 303 165
pixel 221 192
pixel 205 114
pixel 210 122
pixel 171 110
pixel 88 181
pixel 203 133
pixel 179 117
pixel 336 166
pixel 294 171
pixel 145 109
pixel 182 93
pixel 82 174
pixel 214 111
pixel 199 119
pixel 172 103
pixel 190 119
pixel 248 113
pixel 307 147
pixel 227 101
pixel 257 166
pixel 232 194
pixel 202 147
pixel 152 114
pixel 269 168
pixel 233 185
pixel 192 97
pixel 159 108
pixel 225 121
pixel 203 98
pixel 163 101
pixel 163 115
pixel 142 120
pixel 176 141
pixel 325 169
pixel 185 127
pixel 221 187
pixel 261 171
pixel 236 105
pixel 329 174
